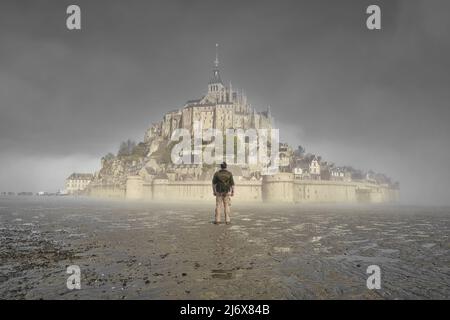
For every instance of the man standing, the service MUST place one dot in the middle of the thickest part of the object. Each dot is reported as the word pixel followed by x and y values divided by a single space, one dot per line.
pixel 223 188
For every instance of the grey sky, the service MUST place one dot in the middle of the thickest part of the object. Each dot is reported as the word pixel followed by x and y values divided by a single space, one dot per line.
pixel 371 99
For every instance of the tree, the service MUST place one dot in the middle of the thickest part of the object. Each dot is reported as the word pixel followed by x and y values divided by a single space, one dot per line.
pixel 126 148
pixel 123 150
pixel 300 151
pixel 108 157
pixel 140 150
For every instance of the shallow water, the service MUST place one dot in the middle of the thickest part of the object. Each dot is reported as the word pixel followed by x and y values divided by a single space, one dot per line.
pixel 136 250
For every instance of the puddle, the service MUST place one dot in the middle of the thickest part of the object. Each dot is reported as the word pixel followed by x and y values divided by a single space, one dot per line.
pixel 222 274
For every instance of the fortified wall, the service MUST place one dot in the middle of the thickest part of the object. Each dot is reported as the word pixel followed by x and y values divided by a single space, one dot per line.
pixel 281 187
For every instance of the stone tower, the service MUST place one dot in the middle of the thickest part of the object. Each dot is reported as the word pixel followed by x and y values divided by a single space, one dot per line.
pixel 215 85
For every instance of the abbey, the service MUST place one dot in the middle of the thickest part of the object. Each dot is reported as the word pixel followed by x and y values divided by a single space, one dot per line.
pixel 221 108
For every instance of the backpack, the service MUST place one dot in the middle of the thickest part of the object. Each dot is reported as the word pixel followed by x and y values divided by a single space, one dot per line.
pixel 223 180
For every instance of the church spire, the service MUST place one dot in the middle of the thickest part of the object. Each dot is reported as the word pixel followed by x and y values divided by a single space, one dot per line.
pixel 216 62
pixel 216 76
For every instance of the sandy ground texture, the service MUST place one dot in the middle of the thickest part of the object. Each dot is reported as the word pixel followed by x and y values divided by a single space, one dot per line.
pixel 136 250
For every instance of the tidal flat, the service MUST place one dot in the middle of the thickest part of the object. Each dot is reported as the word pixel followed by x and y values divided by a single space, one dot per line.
pixel 144 250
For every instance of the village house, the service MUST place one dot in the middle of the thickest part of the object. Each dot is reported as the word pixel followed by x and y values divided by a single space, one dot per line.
pixel 314 168
pixel 337 174
pixel 76 183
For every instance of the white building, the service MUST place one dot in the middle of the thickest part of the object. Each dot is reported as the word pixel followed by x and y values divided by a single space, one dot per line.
pixel 77 182
pixel 314 167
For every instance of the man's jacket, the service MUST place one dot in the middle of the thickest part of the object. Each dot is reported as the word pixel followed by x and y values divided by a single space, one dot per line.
pixel 223 179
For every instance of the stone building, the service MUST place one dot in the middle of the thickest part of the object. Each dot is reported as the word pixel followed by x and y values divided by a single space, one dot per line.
pixel 307 167
pixel 76 183
pixel 337 174
pixel 221 108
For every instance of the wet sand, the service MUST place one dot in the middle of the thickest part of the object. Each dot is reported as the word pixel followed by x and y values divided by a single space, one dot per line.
pixel 136 250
